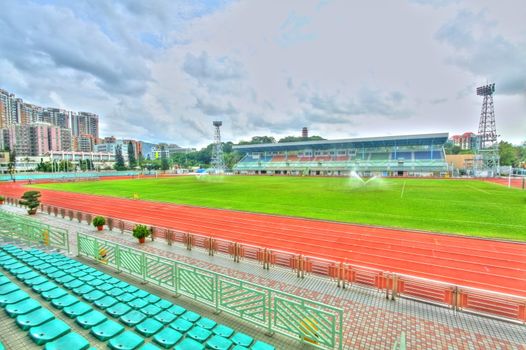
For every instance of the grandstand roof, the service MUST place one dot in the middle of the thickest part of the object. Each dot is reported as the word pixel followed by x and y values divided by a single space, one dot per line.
pixel 384 141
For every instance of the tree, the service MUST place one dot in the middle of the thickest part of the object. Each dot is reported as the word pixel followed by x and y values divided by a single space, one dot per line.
pixel 140 161
pixel 165 165
pixel 11 166
pixel 131 156
pixel 259 139
pixel 509 155
pixel 299 138
pixel 119 159
pixel 31 200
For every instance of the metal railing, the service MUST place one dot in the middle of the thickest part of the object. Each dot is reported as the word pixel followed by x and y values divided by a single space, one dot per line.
pixel 32 232
pixel 298 318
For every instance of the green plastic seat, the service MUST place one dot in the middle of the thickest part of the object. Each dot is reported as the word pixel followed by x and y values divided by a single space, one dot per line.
pixel 199 334
pixel 90 319
pixel 27 276
pixel 118 309
pixel 164 304
pixel 189 344
pixel 149 346
pixel 64 301
pixel 48 331
pixel 167 338
pixel 126 341
pixel 42 267
pixel 122 285
pixel 106 302
pixel 65 279
pixel 132 318
pixel 54 294
pixel 115 292
pixel 206 323
pixel 105 287
pixel 149 327
pixel 141 294
pixel 50 270
pixel 77 309
pixel 34 318
pixel 104 277
pixel 70 341
pixel 152 299
pixel 94 295
pixel 84 289
pixel 113 280
pixel 5 280
pixel 177 310
pixel 126 297
pixel 138 303
pixel 191 316
pixel 165 317
pixel 223 331
pixel 82 275
pixel 151 310
pixel 242 339
pixel 107 330
pixel 34 281
pixel 13 265
pixel 23 307
pixel 44 287
pixel 57 274
pixel 74 283
pixel 8 288
pixel 239 347
pixel 94 272
pixel 96 282
pixel 181 325
pixel 21 271
pixel 260 345
pixel 13 297
pixel 218 343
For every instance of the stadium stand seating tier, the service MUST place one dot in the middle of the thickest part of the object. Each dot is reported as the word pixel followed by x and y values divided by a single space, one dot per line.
pixel 102 304
pixel 387 156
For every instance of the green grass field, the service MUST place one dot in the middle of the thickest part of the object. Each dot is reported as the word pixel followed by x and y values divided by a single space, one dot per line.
pixel 454 206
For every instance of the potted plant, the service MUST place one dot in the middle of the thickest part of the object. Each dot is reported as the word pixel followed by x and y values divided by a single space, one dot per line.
pixel 141 232
pixel 99 222
pixel 30 199
pixel 2 199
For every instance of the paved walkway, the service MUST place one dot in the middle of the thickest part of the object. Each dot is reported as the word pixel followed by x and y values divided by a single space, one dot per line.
pixel 370 321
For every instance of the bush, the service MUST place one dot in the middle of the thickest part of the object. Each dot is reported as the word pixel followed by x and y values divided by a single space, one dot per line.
pixel 141 231
pixel 2 198
pixel 30 199
pixel 98 221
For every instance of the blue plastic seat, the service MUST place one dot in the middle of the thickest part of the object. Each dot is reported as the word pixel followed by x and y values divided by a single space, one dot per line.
pixel 65 279
pixel 115 292
pixel 62 302
pixel 141 294
pixel 259 345
pixel 130 289
pixel 181 325
pixel 96 282
pixel 118 309
pixel 21 271
pixel 12 298
pixel 57 274
pixel 22 307
pixel 149 346
pixel 126 341
pixel 164 304
pixel 177 310
pixel 48 331
pixel 8 288
pixel 167 338
pixel 26 276
pixel 223 331
pixel 106 302
pixel 126 297
pixel 44 287
pixel 191 316
pixel 54 294
pixel 189 344
pixel 165 317
pixel 121 285
pixel 132 318
pixel 104 277
pixel 149 327
pixel 90 319
pixel 70 341
pixel 199 334
pixel 151 310
pixel 77 309
pixel 152 299
pixel 94 295
pixel 242 339
pixel 5 280
pixel 206 323
pixel 138 303
pixel 83 289
pixel 113 280
pixel 74 283
pixel 35 281
pixel 218 343
pixel 105 287
pixel 107 330
pixel 34 318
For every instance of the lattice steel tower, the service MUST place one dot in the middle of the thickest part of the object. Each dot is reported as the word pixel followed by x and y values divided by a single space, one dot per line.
pixel 218 163
pixel 488 147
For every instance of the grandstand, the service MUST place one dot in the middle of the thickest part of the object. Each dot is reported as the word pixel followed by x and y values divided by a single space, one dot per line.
pixel 409 155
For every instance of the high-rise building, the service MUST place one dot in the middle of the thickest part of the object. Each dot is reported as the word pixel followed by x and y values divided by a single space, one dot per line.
pixel 57 117
pixel 85 123
pixel 85 143
pixel 66 139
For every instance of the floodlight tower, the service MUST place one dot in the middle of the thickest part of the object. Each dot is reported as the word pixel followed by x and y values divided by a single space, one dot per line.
pixel 217 152
pixel 487 146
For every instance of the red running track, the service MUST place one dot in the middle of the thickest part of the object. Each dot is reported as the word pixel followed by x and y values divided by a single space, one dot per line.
pixel 485 264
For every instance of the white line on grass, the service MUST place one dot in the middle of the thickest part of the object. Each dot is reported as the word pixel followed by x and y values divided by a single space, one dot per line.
pixel 403 188
pixel 478 189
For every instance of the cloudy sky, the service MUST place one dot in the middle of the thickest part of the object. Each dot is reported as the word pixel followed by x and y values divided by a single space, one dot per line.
pixel 164 70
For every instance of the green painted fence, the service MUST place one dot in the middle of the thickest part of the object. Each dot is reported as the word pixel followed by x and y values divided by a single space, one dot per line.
pixel 30 231
pixel 400 343
pixel 311 322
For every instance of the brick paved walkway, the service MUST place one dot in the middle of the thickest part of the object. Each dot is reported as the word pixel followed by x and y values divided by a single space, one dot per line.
pixel 370 321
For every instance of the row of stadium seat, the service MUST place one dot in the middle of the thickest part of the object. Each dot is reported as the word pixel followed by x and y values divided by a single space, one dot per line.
pixel 64 282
